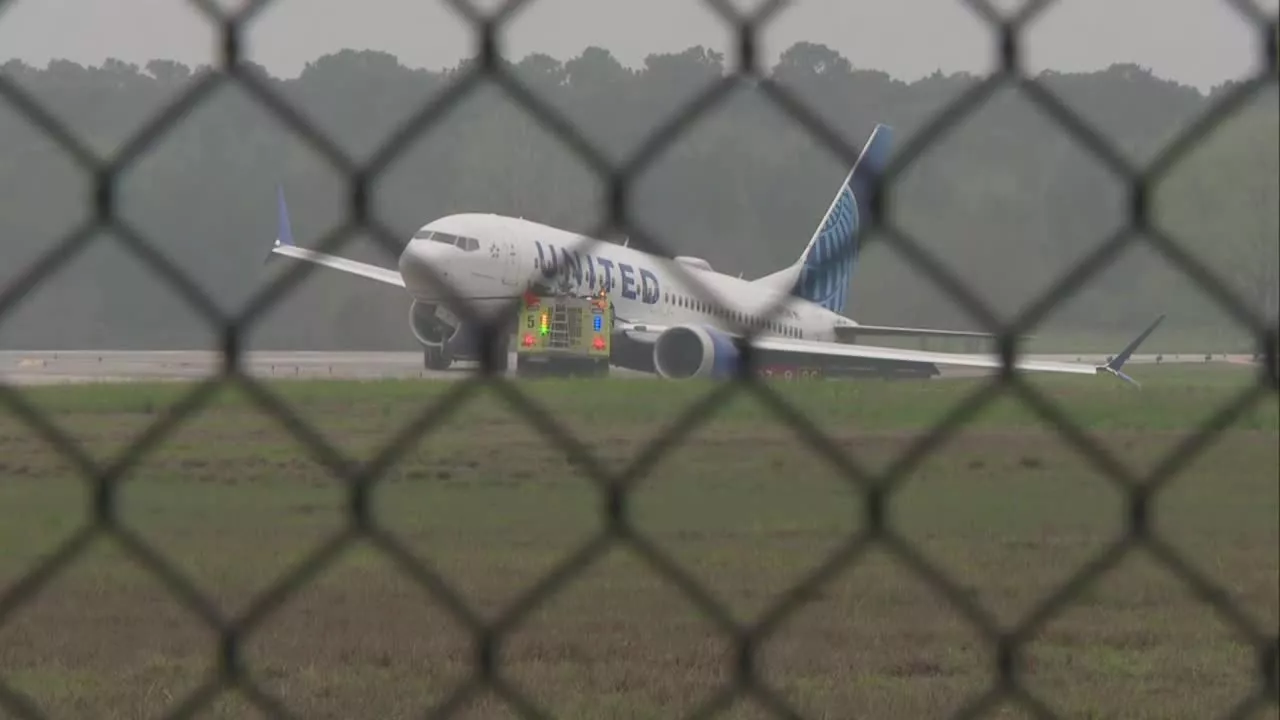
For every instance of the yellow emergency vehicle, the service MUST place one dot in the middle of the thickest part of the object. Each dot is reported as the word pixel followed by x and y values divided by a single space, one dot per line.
pixel 564 335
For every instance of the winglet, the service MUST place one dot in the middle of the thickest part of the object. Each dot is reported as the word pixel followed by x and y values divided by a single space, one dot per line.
pixel 1117 362
pixel 284 230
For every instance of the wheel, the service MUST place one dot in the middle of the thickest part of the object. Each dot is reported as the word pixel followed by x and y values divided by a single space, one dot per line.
pixel 436 358
pixel 503 361
pixel 601 370
pixel 524 369
pixel 502 351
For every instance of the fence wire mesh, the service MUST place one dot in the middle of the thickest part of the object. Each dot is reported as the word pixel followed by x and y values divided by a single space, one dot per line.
pixel 103 479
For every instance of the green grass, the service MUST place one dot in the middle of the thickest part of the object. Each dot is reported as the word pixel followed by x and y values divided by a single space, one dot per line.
pixel 1005 508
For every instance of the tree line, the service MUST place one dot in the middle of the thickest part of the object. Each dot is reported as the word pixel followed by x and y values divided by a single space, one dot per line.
pixel 1005 197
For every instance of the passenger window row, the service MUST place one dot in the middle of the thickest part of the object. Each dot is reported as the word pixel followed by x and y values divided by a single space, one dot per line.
pixel 471 244
pixel 754 321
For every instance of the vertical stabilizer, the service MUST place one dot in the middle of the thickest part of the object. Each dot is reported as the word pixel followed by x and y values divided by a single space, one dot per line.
pixel 824 272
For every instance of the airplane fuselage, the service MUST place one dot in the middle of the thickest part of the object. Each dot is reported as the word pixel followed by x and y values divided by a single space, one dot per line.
pixel 674 316
pixel 490 259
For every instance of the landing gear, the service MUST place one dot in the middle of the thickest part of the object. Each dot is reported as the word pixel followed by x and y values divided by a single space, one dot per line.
pixel 437 357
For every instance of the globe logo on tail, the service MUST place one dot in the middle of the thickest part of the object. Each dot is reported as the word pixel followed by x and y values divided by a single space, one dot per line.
pixel 828 266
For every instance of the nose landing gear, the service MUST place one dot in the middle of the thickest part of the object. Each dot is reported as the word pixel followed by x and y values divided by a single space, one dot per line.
pixel 437 357
pixel 464 347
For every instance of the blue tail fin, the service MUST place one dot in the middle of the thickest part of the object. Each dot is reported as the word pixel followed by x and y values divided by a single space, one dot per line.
pixel 828 260
pixel 284 229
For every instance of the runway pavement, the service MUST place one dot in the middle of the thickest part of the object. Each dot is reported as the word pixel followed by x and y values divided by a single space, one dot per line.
pixel 55 367
pixel 45 367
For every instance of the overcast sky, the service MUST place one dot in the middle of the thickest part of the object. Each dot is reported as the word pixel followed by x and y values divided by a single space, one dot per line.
pixel 1198 42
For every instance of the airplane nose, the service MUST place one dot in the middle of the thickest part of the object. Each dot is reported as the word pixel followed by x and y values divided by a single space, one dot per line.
pixel 417 257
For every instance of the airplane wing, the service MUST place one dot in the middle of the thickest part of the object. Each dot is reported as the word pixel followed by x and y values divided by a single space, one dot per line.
pixel 373 272
pixel 285 246
pixel 811 348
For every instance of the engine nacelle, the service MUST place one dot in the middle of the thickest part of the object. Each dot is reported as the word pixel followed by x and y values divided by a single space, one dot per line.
pixel 428 328
pixel 688 351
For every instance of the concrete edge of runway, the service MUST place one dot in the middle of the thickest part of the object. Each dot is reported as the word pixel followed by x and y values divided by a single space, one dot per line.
pixel 88 366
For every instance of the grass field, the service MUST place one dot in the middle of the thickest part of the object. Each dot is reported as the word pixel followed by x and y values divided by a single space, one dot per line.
pixel 1006 508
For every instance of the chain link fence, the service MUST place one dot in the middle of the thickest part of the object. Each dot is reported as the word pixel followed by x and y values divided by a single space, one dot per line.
pixel 103 480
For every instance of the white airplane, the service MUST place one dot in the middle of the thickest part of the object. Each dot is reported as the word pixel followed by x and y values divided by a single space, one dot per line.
pixel 662 325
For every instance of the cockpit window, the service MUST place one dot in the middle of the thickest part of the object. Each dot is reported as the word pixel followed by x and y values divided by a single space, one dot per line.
pixel 462 243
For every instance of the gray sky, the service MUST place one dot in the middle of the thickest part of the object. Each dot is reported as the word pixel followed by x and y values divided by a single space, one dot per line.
pixel 1199 42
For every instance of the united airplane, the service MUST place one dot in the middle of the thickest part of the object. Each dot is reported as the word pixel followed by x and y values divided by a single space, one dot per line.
pixel 795 317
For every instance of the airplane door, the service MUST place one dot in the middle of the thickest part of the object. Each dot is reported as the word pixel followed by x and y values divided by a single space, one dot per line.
pixel 511 274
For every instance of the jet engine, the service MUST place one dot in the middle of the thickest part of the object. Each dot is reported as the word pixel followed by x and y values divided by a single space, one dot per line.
pixel 444 342
pixel 688 351
pixel 428 328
